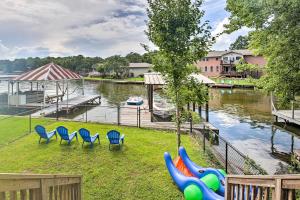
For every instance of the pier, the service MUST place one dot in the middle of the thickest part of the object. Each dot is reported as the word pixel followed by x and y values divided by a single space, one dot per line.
pixel 131 116
pixel 288 115
pixel 68 105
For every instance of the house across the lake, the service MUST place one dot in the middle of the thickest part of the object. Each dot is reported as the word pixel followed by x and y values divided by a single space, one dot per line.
pixel 138 69
pixel 223 63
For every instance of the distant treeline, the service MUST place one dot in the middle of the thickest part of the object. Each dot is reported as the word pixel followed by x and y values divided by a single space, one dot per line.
pixel 75 63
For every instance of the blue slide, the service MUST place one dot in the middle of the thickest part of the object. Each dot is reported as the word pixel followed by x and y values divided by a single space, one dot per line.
pixel 201 172
pixel 193 188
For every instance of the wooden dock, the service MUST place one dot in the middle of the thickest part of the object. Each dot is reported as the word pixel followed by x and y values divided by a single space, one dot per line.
pixel 129 117
pixel 288 115
pixel 68 105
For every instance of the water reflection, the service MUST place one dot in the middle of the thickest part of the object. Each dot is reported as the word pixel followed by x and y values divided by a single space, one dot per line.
pixel 116 94
pixel 244 118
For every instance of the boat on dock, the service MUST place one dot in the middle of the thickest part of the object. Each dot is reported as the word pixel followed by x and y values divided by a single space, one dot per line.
pixel 135 101
pixel 162 108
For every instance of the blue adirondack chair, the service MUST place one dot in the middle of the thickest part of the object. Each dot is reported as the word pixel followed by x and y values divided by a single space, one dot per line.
pixel 43 134
pixel 64 135
pixel 115 138
pixel 86 136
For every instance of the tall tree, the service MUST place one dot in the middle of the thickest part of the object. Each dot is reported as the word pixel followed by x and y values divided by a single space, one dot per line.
pixel 241 42
pixel 117 65
pixel 134 57
pixel 175 27
pixel 276 36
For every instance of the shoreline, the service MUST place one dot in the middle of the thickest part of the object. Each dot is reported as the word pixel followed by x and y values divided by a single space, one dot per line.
pixel 142 83
pixel 114 81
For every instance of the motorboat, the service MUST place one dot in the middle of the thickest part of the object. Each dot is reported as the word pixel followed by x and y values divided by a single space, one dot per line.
pixel 162 107
pixel 135 101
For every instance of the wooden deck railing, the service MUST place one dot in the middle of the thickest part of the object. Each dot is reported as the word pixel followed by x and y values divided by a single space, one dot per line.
pixel 262 187
pixel 40 187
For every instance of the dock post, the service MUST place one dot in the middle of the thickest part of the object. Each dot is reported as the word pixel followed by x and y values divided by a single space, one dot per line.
pixel 200 111
pixel 204 139
pixel 56 100
pixel 118 114
pixel 293 110
pixel 8 91
pixel 137 116
pixel 206 112
pixel 139 109
pixel 86 115
pixel 191 124
pixel 226 157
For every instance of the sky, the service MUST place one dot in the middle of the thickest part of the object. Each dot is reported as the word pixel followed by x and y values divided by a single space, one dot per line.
pixel 35 28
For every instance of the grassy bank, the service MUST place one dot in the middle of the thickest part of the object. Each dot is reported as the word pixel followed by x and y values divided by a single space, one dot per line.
pixel 136 172
pixel 137 79
pixel 13 128
pixel 237 81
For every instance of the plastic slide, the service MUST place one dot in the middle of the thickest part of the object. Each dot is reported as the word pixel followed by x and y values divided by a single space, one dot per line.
pixel 192 187
pixel 200 172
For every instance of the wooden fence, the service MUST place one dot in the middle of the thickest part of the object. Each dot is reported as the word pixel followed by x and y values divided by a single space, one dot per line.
pixel 40 187
pixel 281 187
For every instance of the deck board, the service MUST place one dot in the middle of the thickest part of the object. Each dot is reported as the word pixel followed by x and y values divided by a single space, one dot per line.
pixel 287 115
pixel 63 105
pixel 128 116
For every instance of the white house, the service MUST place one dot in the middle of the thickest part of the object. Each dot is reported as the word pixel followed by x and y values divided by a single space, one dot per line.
pixel 138 69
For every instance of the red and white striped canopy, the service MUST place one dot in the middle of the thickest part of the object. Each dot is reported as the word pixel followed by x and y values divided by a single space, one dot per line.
pixel 49 72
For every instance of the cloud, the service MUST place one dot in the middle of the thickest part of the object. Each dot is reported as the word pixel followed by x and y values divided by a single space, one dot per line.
pixel 87 27
pixel 224 40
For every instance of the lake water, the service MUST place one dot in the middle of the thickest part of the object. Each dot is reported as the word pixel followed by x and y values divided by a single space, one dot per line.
pixel 243 117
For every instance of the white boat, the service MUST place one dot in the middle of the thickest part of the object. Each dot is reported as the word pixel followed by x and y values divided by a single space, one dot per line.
pixel 135 101
pixel 162 107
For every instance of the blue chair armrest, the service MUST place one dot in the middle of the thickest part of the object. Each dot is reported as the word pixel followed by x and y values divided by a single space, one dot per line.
pixel 93 138
pixel 50 134
pixel 122 138
pixel 72 135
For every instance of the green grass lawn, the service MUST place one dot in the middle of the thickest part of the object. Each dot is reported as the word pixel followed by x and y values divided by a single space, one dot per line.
pixel 236 81
pixel 12 128
pixel 127 79
pixel 136 172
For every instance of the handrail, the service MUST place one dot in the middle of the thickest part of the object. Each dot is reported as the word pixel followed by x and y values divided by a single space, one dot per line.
pixel 257 187
pixel 40 186
pixel 273 108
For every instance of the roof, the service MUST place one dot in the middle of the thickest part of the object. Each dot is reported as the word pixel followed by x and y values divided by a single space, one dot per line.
pixel 155 78
pixel 140 65
pixel 244 52
pixel 203 79
pixel 49 72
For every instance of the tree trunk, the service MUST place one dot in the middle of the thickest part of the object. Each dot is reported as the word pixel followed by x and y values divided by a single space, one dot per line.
pixel 178 123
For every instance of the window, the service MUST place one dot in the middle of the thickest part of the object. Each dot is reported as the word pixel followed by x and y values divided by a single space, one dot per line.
pixel 217 68
pixel 211 68
pixel 206 68
pixel 225 58
pixel 217 58
pixel 237 58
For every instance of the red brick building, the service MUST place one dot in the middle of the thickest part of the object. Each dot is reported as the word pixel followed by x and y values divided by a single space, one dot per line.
pixel 222 63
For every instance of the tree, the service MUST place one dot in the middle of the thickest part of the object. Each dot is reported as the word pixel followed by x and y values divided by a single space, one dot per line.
pixel 134 57
pixel 117 65
pixel 175 27
pixel 241 42
pixel 276 36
